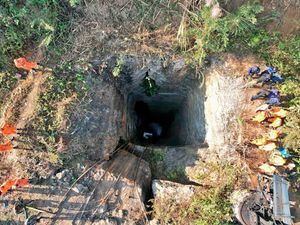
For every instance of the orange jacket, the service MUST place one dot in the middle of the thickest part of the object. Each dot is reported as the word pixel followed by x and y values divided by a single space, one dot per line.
pixel 7 185
pixel 22 63
pixel 7 129
pixel 6 147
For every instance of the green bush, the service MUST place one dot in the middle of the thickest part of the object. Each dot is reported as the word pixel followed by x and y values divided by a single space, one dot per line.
pixel 150 86
pixel 26 25
pixel 119 66
pixel 212 205
pixel 64 82
pixel 210 35
pixel 208 205
pixel 292 130
pixel 7 83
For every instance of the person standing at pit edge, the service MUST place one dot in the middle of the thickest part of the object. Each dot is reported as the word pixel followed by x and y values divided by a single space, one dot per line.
pixel 9 129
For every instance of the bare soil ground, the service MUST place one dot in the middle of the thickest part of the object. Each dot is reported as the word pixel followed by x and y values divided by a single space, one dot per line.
pixel 19 110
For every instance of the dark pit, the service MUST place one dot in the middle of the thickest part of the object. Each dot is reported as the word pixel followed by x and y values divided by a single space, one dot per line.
pixel 168 118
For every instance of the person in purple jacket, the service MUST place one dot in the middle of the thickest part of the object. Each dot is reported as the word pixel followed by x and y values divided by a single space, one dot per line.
pixel 254 70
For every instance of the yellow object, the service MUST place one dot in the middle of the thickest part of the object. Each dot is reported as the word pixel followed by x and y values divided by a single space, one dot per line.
pixel 259 141
pixel 270 146
pixel 276 122
pixel 260 116
pixel 277 160
pixel 268 169
pixel 273 135
pixel 279 112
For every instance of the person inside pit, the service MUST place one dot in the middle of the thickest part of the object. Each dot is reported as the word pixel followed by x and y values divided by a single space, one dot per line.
pixel 152 131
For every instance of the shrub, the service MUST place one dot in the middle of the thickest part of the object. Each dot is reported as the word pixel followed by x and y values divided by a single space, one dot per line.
pixel 28 24
pixel 150 86
pixel 64 82
pixel 208 205
pixel 292 130
pixel 207 34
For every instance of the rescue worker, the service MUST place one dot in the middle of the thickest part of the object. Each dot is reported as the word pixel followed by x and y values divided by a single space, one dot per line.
pixel 147 135
pixel 276 78
pixel 264 77
pixel 270 74
pixel 271 69
pixel 153 130
pixel 6 146
pixel 263 94
pixel 9 129
pixel 254 70
pixel 273 101
pixel 22 63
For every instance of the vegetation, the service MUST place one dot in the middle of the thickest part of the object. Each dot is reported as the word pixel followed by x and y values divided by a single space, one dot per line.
pixel 209 35
pixel 150 86
pixel 119 66
pixel 156 156
pixel 27 25
pixel 177 174
pixel 244 30
pixel 7 83
pixel 63 83
pixel 209 205
pixel 213 205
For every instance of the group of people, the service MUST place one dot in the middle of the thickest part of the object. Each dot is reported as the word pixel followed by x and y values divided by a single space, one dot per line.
pixel 9 131
pixel 270 75
pixel 272 115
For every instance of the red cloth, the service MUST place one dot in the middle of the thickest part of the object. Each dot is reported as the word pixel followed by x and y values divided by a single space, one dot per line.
pixel 22 63
pixel 6 147
pixel 7 129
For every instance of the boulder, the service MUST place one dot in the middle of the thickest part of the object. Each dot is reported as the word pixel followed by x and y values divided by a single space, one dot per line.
pixel 170 190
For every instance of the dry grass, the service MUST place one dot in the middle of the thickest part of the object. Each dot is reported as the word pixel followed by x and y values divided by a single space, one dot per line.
pixel 133 26
pixel 211 201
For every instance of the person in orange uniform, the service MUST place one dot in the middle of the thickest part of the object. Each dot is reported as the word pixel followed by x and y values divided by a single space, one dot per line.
pixel 7 185
pixel 8 129
pixel 22 63
pixel 6 147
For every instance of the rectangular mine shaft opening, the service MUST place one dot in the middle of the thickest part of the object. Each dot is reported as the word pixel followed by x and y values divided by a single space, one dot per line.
pixel 166 119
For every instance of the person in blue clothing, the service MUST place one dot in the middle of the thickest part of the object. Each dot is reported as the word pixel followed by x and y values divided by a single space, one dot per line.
pixel 254 70
pixel 271 69
pixel 270 75
pixel 276 78
pixel 264 77
pixel 273 101
pixel 266 94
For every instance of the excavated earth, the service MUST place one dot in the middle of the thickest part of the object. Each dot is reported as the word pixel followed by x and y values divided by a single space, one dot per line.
pixel 198 110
